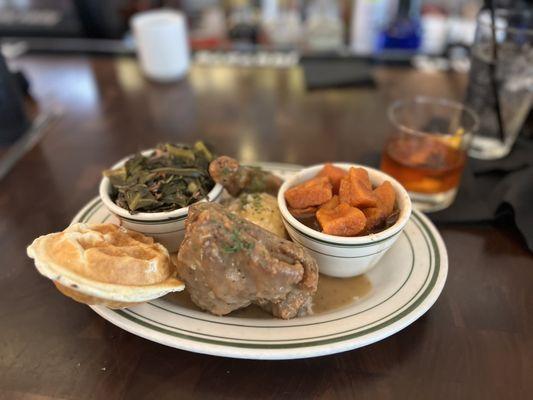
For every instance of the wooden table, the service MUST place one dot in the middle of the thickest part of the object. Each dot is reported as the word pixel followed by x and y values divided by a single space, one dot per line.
pixel 476 342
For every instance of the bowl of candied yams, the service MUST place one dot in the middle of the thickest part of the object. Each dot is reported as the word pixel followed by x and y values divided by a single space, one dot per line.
pixel 346 215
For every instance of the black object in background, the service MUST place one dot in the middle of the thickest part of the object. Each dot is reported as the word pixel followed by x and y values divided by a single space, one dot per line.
pixel 104 19
pixel 496 190
pixel 39 18
pixel 101 19
pixel 491 191
pixel 13 119
pixel 336 72
pixel 527 129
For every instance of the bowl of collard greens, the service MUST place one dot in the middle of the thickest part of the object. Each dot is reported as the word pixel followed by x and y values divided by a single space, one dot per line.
pixel 151 191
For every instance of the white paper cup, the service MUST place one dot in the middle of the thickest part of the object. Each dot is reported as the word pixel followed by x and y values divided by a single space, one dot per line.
pixel 162 44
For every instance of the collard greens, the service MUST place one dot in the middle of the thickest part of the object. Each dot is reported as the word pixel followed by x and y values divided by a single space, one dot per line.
pixel 171 177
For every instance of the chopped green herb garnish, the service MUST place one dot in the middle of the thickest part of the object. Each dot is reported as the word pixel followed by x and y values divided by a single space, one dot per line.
pixel 237 243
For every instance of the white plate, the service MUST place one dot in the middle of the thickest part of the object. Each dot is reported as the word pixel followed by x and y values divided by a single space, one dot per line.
pixel 405 284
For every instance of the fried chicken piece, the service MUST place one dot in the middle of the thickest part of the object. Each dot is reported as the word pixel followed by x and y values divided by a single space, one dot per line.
pixel 228 263
pixel 237 178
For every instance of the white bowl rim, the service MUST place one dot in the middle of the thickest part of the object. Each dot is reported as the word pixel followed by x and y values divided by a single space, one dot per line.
pixel 105 185
pixel 404 216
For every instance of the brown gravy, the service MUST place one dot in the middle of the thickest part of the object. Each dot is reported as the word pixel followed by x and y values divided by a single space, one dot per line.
pixel 332 293
pixel 335 293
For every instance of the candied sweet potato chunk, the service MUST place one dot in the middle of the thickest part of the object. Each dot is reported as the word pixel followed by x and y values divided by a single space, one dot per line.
pixel 362 175
pixel 355 189
pixel 374 217
pixel 342 220
pixel 386 197
pixel 313 192
pixel 331 203
pixel 303 212
pixel 335 174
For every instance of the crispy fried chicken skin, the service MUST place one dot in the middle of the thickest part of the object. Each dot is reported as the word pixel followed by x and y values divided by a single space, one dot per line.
pixel 228 263
pixel 237 178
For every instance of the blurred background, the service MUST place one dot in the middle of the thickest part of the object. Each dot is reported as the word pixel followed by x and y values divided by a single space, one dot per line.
pixel 378 28
pixel 337 44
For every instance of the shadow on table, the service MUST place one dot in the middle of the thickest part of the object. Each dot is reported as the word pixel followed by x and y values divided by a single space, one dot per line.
pixel 156 371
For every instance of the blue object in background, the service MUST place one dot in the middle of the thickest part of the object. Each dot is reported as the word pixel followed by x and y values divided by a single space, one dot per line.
pixel 404 32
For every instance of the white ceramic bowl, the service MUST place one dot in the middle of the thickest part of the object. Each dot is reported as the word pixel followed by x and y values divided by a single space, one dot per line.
pixel 168 227
pixel 345 256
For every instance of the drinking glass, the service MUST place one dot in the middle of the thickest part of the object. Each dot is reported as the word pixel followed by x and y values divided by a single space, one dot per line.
pixel 500 86
pixel 426 150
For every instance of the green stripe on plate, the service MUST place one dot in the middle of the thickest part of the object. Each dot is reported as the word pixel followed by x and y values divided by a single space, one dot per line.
pixel 97 203
pixel 331 255
pixel 299 324
pixel 304 325
pixel 158 222
pixel 90 210
pixel 338 245
pixel 356 332
pixel 360 331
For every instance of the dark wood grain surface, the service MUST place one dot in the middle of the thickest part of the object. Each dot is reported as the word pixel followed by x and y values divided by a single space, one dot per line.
pixel 475 343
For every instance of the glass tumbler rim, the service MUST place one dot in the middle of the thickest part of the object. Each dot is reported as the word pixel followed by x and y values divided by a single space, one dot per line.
pixel 430 100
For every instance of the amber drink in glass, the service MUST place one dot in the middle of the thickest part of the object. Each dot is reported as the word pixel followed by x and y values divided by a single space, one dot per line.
pixel 426 150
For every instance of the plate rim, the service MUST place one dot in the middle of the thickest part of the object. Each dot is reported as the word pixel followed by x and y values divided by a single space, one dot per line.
pixel 419 306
